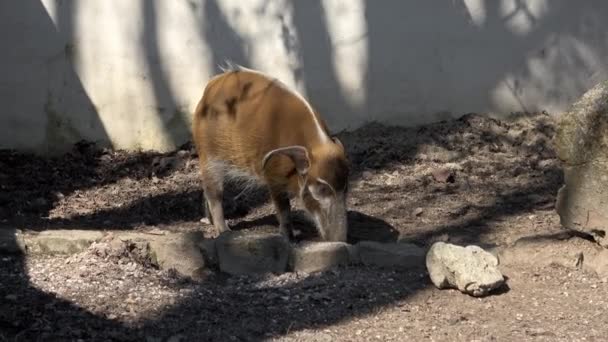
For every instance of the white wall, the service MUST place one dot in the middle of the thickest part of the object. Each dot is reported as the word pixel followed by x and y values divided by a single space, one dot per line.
pixel 130 73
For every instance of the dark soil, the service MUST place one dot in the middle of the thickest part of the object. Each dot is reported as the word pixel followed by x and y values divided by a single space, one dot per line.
pixel 472 180
pixel 465 179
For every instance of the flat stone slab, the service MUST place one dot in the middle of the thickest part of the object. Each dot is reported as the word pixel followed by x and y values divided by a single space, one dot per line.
pixel 470 269
pixel 390 255
pixel 312 257
pixel 64 241
pixel 209 251
pixel 598 263
pixel 179 252
pixel 242 252
pixel 11 241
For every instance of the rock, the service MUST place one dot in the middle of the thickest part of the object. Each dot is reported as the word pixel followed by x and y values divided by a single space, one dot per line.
pixel 161 165
pixel 40 203
pixel 318 256
pixel 438 154
pixel 581 142
pixel 367 175
pixel 61 241
pixel 386 255
pixel 181 253
pixel 241 252
pixel 58 195
pixel 598 263
pixel 445 237
pixel 443 175
pixel 11 241
pixel 353 254
pixel 469 269
pixel 207 247
pixel 418 211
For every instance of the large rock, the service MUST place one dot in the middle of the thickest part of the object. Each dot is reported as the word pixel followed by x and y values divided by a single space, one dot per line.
pixel 181 253
pixel 319 256
pixel 61 241
pixel 598 263
pixel 469 269
pixel 207 247
pixel 244 252
pixel 390 255
pixel 581 142
pixel 11 241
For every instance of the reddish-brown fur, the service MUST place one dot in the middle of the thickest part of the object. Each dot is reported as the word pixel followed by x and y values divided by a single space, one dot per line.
pixel 242 116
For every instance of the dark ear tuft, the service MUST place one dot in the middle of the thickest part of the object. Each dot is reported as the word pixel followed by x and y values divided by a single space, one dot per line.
pixel 337 142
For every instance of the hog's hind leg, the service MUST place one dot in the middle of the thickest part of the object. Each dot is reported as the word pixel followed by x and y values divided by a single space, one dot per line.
pixel 213 187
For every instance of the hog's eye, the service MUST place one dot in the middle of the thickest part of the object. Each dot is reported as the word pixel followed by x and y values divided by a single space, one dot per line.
pixel 322 190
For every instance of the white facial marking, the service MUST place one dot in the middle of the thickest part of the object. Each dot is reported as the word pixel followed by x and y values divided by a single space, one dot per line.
pixel 325 182
pixel 324 201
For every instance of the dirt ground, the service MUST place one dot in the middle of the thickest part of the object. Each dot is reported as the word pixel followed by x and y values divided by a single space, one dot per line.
pixel 472 180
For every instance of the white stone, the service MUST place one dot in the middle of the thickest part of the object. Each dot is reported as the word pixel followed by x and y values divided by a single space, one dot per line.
pixel 469 269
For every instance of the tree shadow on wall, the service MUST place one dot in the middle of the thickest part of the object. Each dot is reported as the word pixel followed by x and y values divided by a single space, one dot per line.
pixel 388 33
pixel 419 59
pixel 45 98
pixel 45 104
pixel 172 115
pixel 225 44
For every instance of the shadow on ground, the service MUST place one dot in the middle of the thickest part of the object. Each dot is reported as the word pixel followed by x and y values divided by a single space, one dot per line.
pixel 103 189
pixel 361 227
pixel 215 310
pixel 29 314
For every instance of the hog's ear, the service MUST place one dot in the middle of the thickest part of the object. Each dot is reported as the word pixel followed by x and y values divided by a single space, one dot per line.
pixel 297 154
